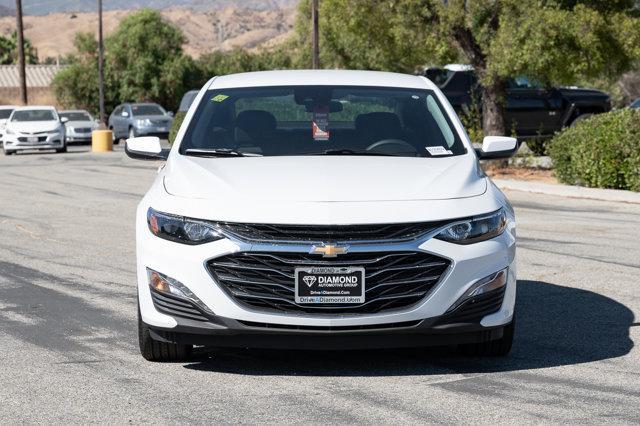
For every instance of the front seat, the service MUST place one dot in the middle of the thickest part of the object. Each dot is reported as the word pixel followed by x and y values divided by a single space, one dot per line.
pixel 375 126
pixel 255 128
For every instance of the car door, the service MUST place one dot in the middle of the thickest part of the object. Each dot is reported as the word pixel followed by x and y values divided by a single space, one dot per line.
pixel 114 121
pixel 532 109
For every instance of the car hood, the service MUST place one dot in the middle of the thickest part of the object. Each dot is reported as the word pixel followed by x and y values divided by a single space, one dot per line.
pixel 582 93
pixel 78 123
pixel 323 178
pixel 33 126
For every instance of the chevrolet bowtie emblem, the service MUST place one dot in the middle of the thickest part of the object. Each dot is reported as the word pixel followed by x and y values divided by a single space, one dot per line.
pixel 329 250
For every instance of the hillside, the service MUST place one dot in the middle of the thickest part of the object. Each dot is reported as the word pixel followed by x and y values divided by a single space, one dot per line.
pixel 44 7
pixel 52 34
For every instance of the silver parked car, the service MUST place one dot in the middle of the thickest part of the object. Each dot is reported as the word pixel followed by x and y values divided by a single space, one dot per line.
pixel 78 126
pixel 140 119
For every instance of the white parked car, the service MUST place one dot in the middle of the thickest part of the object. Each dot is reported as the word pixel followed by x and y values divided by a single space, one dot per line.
pixel 78 125
pixel 34 127
pixel 323 209
pixel 5 112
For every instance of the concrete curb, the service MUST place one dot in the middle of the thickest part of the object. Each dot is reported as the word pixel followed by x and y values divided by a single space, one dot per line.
pixel 569 191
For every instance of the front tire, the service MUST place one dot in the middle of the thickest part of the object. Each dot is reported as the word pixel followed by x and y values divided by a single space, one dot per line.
pixel 8 152
pixel 493 348
pixel 132 132
pixel 61 150
pixel 153 350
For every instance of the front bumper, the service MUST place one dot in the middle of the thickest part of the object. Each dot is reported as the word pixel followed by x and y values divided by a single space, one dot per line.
pixel 17 142
pixel 160 131
pixel 235 325
pixel 227 332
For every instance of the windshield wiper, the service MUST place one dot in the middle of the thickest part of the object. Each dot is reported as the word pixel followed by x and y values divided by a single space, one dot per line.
pixel 351 152
pixel 218 152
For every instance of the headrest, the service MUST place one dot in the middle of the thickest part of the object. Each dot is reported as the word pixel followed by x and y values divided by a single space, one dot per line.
pixel 384 124
pixel 256 122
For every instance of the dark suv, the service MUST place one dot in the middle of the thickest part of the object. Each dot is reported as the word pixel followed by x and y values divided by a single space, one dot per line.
pixel 533 110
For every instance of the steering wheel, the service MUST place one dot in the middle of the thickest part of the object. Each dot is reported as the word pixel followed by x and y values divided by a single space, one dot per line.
pixel 392 146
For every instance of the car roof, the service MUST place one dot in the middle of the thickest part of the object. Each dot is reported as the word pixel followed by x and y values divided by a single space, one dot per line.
pixel 8 107
pixel 320 78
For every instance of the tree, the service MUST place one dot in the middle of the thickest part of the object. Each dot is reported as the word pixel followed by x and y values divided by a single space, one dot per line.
pixel 552 41
pixel 143 62
pixel 9 50
pixel 139 54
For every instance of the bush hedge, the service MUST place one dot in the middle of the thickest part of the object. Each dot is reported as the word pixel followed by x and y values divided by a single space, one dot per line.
pixel 177 122
pixel 602 151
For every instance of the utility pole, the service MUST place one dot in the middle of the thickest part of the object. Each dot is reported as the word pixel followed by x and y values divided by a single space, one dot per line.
pixel 101 65
pixel 315 47
pixel 20 42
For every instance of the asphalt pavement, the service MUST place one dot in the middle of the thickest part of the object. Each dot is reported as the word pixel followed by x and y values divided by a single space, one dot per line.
pixel 68 344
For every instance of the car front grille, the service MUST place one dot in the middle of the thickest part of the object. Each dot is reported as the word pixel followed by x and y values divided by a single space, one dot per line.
pixel 474 309
pixel 324 233
pixel 265 280
pixel 83 130
pixel 25 139
pixel 176 307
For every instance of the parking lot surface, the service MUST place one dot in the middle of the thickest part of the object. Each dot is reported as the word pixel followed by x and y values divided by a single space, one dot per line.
pixel 68 344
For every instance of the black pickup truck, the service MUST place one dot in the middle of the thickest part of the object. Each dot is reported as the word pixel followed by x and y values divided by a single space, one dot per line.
pixel 532 109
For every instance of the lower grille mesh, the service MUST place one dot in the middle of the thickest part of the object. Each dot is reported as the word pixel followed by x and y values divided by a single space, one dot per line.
pixel 265 281
pixel 476 308
pixel 176 307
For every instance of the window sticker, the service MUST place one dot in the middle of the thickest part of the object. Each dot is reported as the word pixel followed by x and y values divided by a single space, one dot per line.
pixel 438 150
pixel 320 124
pixel 219 98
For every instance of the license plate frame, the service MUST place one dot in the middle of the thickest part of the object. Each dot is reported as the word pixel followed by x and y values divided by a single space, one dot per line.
pixel 332 285
pixel 32 139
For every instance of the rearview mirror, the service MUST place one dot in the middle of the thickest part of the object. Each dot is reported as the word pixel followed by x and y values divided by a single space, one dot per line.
pixel 145 148
pixel 124 114
pixel 170 113
pixel 494 147
pixel 64 119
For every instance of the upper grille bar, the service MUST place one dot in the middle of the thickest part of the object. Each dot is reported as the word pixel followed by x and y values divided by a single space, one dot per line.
pixel 324 233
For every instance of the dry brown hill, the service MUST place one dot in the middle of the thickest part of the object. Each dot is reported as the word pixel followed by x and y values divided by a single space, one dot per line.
pixel 53 34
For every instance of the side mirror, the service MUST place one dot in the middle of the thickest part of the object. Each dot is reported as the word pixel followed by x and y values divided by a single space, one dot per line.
pixel 124 114
pixel 494 147
pixel 145 148
pixel 64 119
pixel 170 113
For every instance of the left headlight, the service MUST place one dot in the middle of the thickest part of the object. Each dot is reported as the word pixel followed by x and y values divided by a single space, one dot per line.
pixel 475 229
pixel 181 229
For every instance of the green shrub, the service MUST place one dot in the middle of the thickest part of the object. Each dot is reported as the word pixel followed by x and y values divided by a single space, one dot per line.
pixel 602 151
pixel 177 122
pixel 537 145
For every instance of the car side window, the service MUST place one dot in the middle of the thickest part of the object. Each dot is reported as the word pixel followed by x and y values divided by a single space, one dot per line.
pixel 118 110
pixel 523 82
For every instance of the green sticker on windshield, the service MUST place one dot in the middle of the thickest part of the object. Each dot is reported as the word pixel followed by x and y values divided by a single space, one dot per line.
pixel 219 98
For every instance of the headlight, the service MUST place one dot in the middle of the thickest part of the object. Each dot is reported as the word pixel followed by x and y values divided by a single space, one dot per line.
pixel 181 229
pixel 475 229
pixel 143 122
pixel 9 132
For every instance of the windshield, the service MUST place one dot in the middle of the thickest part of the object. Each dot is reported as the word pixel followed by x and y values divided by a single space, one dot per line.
pixel 5 113
pixel 147 110
pixel 34 115
pixel 76 116
pixel 313 120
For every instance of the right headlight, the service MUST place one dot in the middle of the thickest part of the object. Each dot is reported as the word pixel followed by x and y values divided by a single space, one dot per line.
pixel 475 229
pixel 181 229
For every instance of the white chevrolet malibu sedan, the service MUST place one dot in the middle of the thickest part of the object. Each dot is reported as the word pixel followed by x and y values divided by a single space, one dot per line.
pixel 323 210
pixel 34 127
